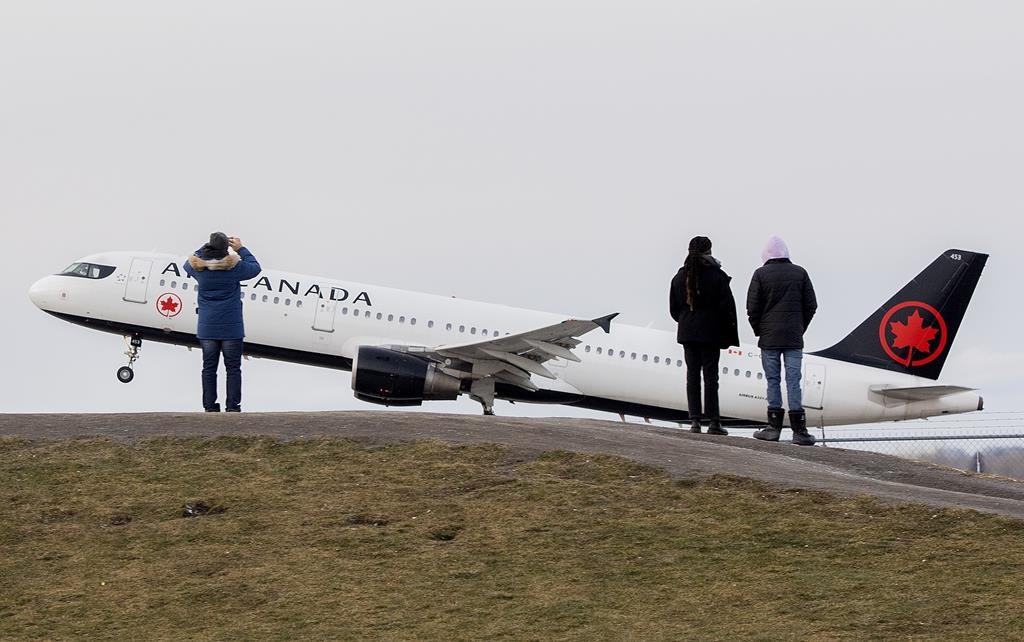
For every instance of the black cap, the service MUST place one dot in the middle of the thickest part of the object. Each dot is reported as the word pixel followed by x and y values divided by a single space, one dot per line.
pixel 219 241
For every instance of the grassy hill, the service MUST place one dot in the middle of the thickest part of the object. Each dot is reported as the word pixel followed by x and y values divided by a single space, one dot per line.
pixel 333 540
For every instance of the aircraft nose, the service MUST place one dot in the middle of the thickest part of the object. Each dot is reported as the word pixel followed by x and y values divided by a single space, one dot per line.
pixel 41 293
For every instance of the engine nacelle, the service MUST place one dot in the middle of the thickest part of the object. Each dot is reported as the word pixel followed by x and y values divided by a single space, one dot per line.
pixel 393 378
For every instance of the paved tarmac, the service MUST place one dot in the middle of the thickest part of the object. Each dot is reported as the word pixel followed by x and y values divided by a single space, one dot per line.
pixel 680 453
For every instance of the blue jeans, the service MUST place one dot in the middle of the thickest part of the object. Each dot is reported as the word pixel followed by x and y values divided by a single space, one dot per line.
pixel 771 361
pixel 232 351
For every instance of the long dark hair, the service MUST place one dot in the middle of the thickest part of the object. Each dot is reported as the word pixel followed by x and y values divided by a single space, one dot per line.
pixel 694 266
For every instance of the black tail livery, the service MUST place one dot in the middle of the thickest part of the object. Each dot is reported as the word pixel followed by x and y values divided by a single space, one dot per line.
pixel 913 331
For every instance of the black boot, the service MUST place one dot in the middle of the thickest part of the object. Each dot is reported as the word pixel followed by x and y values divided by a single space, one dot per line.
pixel 798 421
pixel 774 429
pixel 214 408
pixel 695 425
pixel 715 428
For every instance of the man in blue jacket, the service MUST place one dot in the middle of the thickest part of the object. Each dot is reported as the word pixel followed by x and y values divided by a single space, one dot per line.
pixel 219 274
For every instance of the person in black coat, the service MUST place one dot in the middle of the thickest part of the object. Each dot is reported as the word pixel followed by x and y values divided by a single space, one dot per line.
pixel 780 306
pixel 702 305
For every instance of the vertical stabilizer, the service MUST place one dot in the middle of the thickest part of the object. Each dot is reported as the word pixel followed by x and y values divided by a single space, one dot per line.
pixel 914 330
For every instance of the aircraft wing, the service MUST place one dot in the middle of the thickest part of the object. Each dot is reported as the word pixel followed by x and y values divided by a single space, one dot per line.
pixel 513 358
pixel 918 393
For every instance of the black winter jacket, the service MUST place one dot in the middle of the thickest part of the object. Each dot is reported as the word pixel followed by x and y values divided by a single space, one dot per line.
pixel 713 319
pixel 780 304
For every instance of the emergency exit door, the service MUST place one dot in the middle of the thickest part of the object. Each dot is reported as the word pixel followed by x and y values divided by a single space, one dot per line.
pixel 135 288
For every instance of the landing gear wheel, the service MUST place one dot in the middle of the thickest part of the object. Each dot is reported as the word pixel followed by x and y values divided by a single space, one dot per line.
pixel 125 374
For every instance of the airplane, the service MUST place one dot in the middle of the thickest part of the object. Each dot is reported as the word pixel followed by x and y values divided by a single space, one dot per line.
pixel 404 348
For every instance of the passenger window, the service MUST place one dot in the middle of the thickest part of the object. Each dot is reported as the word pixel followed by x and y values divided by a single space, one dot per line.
pixel 265 298
pixel 163 282
pixel 448 327
pixel 472 330
pixel 401 319
pixel 736 372
pixel 599 351
pixel 748 374
pixel 679 363
pixel 483 332
pixel 586 349
pixel 760 376
pixel 344 311
pixel 430 324
pixel 462 328
pixel 633 356
pixel 644 358
pixel 391 317
pixel 298 303
pixel 622 354
pixel 725 371
pixel 184 285
pixel 657 359
pixel 287 301
pixel 253 296
pixel 277 300
pixel 174 285
pixel 379 316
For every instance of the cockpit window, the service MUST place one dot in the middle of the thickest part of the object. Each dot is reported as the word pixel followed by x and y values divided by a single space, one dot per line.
pixel 89 270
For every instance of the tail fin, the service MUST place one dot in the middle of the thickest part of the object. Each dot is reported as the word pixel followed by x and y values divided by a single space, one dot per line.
pixel 914 330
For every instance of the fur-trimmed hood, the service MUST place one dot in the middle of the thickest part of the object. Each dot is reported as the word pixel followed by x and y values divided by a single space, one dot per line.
pixel 226 263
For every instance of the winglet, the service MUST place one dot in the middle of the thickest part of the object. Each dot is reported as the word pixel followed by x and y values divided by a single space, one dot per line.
pixel 605 322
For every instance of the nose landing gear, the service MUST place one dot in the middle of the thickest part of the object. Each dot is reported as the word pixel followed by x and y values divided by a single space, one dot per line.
pixel 125 374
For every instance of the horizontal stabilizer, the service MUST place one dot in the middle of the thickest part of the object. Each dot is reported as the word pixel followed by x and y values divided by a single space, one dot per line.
pixel 920 393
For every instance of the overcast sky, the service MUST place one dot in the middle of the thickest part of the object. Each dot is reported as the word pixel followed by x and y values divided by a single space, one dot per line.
pixel 548 155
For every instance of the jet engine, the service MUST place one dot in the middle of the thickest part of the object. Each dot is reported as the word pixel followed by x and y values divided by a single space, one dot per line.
pixel 393 378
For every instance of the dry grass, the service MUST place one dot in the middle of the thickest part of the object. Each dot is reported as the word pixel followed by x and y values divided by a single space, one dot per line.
pixel 331 540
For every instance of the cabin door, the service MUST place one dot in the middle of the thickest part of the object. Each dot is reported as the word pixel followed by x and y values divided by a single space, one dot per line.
pixel 814 385
pixel 138 281
pixel 323 321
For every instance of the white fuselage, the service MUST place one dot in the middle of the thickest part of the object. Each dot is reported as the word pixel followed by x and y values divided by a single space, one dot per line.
pixel 307 315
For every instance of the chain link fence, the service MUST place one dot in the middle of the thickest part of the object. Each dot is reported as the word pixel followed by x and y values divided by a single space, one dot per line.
pixel 986 442
pixel 983 442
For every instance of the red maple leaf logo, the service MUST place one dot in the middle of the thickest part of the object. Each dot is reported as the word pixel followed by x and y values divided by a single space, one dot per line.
pixel 168 305
pixel 928 342
pixel 913 334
